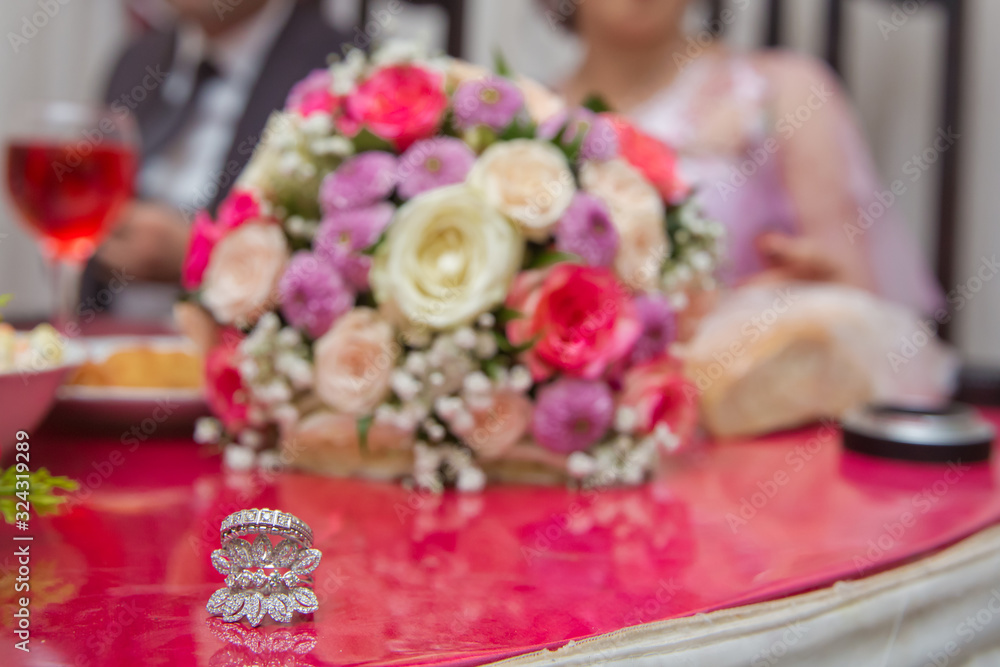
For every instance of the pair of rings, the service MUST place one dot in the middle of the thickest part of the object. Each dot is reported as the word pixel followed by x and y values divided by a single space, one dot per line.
pixel 263 577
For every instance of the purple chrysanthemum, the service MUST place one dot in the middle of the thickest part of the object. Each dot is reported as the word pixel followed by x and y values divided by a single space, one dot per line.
pixel 586 230
pixel 342 235
pixel 491 101
pixel 599 143
pixel 433 163
pixel 362 180
pixel 571 415
pixel 659 327
pixel 313 295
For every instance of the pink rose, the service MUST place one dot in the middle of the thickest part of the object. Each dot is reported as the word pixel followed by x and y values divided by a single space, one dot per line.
pixel 224 390
pixel 313 94
pixel 494 430
pixel 656 161
pixel 204 235
pixel 354 362
pixel 238 207
pixel 659 393
pixel 401 104
pixel 581 318
pixel 241 279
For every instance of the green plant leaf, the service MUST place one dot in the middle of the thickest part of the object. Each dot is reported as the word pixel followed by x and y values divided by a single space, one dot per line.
pixel 506 315
pixel 550 257
pixel 365 140
pixel 596 103
pixel 364 425
pixel 501 65
pixel 40 492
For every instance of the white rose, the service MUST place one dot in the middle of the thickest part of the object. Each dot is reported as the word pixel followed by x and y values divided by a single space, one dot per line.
pixel 528 181
pixel 446 259
pixel 243 272
pixel 354 362
pixel 638 215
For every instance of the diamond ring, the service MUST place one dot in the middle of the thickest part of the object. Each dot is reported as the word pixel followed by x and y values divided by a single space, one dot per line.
pixel 264 578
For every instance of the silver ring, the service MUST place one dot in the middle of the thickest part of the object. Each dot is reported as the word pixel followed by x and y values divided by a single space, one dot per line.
pixel 273 522
pixel 264 578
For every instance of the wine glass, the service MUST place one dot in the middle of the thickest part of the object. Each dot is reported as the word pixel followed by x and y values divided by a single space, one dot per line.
pixel 70 169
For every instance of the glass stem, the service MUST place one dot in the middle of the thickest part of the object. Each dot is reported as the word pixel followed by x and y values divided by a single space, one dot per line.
pixel 66 276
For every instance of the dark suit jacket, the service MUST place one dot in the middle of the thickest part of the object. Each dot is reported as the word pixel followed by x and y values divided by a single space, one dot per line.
pixel 302 46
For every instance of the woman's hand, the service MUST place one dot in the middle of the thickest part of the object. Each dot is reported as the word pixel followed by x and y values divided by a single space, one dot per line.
pixel 796 258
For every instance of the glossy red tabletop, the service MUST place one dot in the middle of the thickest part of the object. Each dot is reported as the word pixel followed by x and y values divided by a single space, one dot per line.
pixel 406 578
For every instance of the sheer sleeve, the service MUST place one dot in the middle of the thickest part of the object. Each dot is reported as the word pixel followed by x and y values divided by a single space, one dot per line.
pixel 833 187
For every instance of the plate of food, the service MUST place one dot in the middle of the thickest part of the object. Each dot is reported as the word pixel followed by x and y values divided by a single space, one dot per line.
pixel 32 366
pixel 150 382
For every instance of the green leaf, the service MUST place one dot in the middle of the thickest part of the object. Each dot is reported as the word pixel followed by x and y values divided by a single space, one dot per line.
pixel 506 346
pixel 519 129
pixel 596 103
pixel 506 315
pixel 550 257
pixel 365 140
pixel 370 250
pixel 5 299
pixel 40 492
pixel 501 65
pixel 364 425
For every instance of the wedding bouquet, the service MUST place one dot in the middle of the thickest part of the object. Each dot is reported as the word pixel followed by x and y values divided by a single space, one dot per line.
pixel 435 273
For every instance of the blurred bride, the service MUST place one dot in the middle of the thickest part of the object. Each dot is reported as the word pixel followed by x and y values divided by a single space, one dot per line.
pixel 768 137
pixel 826 281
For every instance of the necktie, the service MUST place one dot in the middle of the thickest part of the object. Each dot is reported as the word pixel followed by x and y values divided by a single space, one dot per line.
pixel 172 117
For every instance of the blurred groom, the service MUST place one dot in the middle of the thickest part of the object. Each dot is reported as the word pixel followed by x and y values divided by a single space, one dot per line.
pixel 200 93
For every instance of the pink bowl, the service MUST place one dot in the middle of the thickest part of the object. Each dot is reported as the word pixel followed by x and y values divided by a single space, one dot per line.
pixel 27 397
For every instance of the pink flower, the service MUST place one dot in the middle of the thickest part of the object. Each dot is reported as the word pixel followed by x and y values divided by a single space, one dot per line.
pixel 656 161
pixel 401 104
pixel 224 388
pixel 204 235
pixel 494 430
pixel 313 94
pixel 238 207
pixel 660 394
pixel 581 318
pixel 571 414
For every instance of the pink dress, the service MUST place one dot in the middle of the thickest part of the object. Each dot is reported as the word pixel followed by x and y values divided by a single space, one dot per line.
pixel 719 115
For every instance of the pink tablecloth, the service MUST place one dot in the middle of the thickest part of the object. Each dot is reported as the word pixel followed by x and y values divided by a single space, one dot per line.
pixel 409 578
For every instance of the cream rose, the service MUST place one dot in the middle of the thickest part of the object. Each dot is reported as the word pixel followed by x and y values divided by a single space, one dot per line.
pixel 528 181
pixel 243 272
pixel 354 361
pixel 638 215
pixel 541 102
pixel 447 258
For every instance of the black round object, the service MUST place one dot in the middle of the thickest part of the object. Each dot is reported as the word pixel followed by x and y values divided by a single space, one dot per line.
pixel 951 433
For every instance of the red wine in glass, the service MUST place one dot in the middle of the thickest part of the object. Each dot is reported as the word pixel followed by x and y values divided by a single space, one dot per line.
pixel 69 194
pixel 69 170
